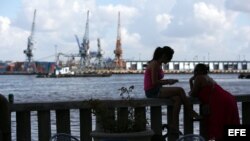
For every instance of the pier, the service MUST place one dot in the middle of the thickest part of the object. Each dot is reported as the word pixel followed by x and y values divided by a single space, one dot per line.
pixel 62 110
pixel 188 66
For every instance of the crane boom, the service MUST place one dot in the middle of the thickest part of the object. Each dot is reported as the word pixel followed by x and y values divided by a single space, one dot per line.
pixel 78 43
pixel 85 42
pixel 33 24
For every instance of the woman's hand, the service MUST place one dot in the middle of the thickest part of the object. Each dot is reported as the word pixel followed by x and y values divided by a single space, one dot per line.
pixel 192 78
pixel 190 94
pixel 191 84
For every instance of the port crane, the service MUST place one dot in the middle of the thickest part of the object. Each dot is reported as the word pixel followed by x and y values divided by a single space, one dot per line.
pixel 71 58
pixel 84 46
pixel 88 59
pixel 99 55
pixel 28 52
pixel 119 63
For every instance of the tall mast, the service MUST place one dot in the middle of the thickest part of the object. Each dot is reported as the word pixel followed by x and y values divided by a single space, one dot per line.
pixel 118 50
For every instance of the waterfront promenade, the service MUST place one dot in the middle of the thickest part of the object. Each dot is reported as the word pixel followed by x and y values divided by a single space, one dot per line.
pixel 63 119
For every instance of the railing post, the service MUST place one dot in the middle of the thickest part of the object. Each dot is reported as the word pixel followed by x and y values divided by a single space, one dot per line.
pixel 44 125
pixel 122 117
pixel 156 119
pixel 171 137
pixel 85 124
pixel 188 123
pixel 23 126
pixel 202 126
pixel 140 118
pixel 245 112
pixel 5 118
pixel 63 121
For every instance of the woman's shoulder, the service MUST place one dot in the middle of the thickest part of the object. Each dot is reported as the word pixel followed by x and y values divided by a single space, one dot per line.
pixel 201 79
pixel 153 64
pixel 204 80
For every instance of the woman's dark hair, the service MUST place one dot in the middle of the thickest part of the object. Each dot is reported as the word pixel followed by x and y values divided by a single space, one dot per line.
pixel 157 54
pixel 201 68
pixel 160 51
pixel 168 51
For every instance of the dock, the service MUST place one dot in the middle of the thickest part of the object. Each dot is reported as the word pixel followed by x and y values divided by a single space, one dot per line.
pixel 63 111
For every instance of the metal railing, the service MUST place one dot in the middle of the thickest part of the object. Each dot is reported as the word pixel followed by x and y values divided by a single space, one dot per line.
pixel 63 119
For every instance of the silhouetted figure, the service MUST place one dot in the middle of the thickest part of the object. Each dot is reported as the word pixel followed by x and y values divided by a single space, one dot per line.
pixel 153 82
pixel 221 107
pixel 5 134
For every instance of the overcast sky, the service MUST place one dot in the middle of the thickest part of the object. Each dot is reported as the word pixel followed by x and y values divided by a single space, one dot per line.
pixel 195 29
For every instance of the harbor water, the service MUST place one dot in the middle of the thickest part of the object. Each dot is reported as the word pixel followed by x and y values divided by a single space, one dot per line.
pixel 28 88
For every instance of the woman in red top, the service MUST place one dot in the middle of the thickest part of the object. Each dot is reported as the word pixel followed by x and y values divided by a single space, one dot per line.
pixel 153 81
pixel 222 105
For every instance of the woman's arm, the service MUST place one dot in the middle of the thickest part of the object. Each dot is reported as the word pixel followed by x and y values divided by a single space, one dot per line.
pixel 191 82
pixel 195 83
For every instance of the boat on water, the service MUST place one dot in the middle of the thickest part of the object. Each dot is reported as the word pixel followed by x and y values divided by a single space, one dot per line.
pixel 67 72
pixel 74 75
pixel 244 76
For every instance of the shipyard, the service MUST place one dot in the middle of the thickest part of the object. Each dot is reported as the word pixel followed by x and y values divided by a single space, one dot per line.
pixel 92 62
pixel 123 70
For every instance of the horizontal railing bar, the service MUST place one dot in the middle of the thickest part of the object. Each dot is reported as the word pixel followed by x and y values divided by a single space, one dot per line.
pixel 85 104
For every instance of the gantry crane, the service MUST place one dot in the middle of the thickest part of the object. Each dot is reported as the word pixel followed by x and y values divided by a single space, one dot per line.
pixel 28 52
pixel 119 63
pixel 99 55
pixel 70 59
pixel 84 46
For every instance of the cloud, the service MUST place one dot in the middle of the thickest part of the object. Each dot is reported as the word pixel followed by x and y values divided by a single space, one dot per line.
pixel 4 24
pixel 190 27
pixel 163 20
pixel 210 17
pixel 238 5
pixel 11 40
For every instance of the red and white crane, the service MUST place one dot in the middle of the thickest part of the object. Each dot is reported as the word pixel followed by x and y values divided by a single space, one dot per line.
pixel 119 63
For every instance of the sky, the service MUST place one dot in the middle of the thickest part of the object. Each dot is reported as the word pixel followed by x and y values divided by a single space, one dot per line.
pixel 195 29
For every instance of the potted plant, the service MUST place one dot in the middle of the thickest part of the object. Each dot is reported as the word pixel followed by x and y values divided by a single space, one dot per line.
pixel 122 123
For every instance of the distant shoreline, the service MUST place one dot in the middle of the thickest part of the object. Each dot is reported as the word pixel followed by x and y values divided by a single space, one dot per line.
pixel 136 72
